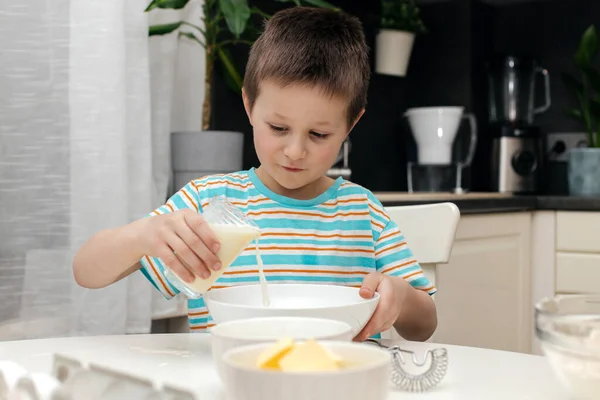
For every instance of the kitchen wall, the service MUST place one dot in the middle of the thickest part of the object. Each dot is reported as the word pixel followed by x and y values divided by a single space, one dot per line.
pixel 550 31
pixel 447 68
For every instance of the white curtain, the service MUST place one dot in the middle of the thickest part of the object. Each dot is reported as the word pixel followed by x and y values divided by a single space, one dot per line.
pixel 86 104
pixel 177 69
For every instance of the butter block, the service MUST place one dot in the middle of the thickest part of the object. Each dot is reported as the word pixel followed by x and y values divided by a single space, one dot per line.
pixel 270 358
pixel 309 356
pixel 338 360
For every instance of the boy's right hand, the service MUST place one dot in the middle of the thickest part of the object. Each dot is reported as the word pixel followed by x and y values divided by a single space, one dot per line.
pixel 184 241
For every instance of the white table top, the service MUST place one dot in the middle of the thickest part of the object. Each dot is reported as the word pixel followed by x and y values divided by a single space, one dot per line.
pixel 180 359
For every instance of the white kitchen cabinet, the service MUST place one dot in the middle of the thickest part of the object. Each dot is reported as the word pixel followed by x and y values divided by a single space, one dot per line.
pixel 569 251
pixel 577 273
pixel 577 252
pixel 484 292
pixel 578 231
pixel 565 255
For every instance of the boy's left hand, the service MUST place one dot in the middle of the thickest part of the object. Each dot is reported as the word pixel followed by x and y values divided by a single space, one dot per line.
pixel 392 292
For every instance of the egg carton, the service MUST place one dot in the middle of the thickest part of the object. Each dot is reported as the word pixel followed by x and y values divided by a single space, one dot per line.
pixel 70 379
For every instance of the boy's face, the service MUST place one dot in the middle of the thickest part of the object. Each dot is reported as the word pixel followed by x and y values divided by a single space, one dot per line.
pixel 298 132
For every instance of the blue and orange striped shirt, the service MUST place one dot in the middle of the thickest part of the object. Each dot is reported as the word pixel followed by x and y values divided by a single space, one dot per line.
pixel 336 238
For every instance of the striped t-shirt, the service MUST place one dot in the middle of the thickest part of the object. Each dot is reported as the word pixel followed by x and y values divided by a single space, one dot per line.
pixel 336 238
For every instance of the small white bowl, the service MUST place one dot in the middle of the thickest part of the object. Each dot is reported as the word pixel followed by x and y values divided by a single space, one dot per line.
pixel 335 302
pixel 368 378
pixel 243 332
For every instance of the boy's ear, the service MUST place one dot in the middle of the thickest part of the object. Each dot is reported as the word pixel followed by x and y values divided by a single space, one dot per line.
pixel 247 106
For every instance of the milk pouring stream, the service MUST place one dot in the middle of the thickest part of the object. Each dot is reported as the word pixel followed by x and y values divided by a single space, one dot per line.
pixel 235 232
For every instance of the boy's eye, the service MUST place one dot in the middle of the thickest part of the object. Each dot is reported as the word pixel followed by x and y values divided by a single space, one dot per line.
pixel 282 129
pixel 276 128
pixel 319 135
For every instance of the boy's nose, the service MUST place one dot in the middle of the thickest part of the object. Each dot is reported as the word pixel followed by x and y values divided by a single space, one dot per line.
pixel 295 150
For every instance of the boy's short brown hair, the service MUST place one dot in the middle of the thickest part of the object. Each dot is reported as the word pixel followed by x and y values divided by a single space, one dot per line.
pixel 312 46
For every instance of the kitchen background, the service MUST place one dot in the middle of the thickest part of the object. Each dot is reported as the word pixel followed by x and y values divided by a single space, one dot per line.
pixel 447 68
pixel 88 104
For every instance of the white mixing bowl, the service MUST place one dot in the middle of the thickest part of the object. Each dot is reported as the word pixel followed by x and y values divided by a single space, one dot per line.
pixel 367 378
pixel 568 328
pixel 243 332
pixel 339 303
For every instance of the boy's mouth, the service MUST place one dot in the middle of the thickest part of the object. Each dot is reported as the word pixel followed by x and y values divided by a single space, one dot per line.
pixel 291 169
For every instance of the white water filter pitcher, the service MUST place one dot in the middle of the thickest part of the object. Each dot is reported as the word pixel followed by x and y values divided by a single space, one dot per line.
pixel 434 130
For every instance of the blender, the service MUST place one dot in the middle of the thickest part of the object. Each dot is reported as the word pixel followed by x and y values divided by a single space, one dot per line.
pixel 434 130
pixel 516 150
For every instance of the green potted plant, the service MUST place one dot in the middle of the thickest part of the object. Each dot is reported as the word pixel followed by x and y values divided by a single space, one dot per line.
pixel 584 163
pixel 400 22
pixel 224 23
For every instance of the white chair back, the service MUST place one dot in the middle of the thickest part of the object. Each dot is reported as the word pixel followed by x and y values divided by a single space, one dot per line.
pixel 429 230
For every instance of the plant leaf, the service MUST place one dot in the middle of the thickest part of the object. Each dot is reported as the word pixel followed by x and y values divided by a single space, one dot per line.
pixel 151 6
pixel 593 77
pixel 196 27
pixel 595 108
pixel 575 114
pixel 258 11
pixel 321 3
pixel 587 118
pixel 172 4
pixel 402 15
pixel 229 81
pixel 193 37
pixel 163 29
pixel 296 2
pixel 588 47
pixel 237 14
pixel 225 58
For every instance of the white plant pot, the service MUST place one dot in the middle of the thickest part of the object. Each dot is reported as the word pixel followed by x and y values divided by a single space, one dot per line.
pixel 393 49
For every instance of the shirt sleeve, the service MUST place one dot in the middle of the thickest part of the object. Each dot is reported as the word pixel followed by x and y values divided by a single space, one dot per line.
pixel 395 258
pixel 153 268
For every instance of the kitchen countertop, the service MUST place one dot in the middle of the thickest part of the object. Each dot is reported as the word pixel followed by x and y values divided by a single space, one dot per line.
pixel 490 202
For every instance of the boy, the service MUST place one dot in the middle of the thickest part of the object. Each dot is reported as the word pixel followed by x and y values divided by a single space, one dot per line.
pixel 305 88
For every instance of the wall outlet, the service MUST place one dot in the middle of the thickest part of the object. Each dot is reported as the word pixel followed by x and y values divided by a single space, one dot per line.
pixel 558 144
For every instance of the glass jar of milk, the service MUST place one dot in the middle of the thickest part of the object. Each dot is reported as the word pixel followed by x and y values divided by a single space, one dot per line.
pixel 234 231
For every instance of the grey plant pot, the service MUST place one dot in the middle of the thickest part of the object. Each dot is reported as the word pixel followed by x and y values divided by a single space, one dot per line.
pixel 584 172
pixel 201 153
